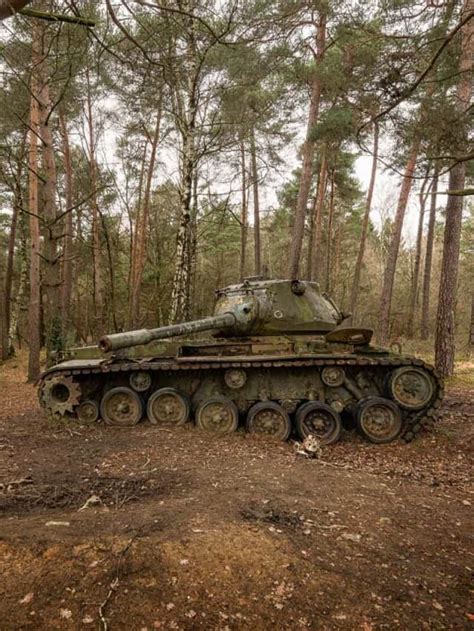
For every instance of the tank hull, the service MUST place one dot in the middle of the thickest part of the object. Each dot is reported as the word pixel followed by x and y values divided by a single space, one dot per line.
pixel 343 381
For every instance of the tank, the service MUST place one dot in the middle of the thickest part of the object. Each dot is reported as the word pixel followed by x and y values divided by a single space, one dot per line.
pixel 277 361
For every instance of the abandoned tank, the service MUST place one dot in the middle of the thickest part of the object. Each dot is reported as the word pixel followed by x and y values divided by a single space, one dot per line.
pixel 279 362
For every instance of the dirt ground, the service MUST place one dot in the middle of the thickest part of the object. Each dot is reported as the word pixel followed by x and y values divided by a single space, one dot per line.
pixel 147 529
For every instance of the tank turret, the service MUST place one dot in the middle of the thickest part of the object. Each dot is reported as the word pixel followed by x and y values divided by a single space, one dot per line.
pixel 254 307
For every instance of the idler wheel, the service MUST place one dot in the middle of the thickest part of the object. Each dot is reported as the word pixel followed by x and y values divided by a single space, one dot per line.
pixel 121 406
pixel 320 420
pixel 217 415
pixel 88 412
pixel 168 406
pixel 412 388
pixel 379 420
pixel 267 417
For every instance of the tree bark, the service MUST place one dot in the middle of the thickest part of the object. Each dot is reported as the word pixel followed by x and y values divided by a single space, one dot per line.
pixel 256 206
pixel 416 267
pixel 391 263
pixel 34 313
pixel 471 328
pixel 318 220
pixel 186 122
pixel 51 280
pixel 96 232
pixel 365 226
pixel 425 304
pixel 308 157
pixel 329 235
pixel 18 302
pixel 445 322
pixel 6 347
pixel 141 231
pixel 67 260
pixel 10 7
pixel 243 214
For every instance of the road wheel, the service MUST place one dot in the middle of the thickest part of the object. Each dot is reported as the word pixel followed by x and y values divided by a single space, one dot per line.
pixel 218 415
pixel 319 420
pixel 267 417
pixel 88 411
pixel 121 406
pixel 379 420
pixel 168 406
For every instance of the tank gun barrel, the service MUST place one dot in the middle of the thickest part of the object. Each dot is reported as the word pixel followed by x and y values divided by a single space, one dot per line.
pixel 116 341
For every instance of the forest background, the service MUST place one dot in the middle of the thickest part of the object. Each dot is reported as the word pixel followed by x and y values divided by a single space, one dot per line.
pixel 151 152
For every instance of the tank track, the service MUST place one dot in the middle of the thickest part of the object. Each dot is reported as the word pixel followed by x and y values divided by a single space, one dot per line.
pixel 413 422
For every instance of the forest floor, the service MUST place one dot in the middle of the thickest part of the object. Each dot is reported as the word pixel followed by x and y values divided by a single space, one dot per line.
pixel 188 531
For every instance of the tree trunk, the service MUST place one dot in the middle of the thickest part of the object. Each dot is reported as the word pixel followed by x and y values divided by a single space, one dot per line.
pixel 19 300
pixel 96 232
pixel 34 313
pixel 308 157
pixel 243 215
pixel 471 328
pixel 425 305
pixel 365 226
pixel 318 220
pixel 391 263
pixel 329 235
pixel 141 231
pixel 256 206
pixel 186 122
pixel 7 297
pixel 10 7
pixel 66 276
pixel 445 322
pixel 416 267
pixel 445 319
pixel 51 281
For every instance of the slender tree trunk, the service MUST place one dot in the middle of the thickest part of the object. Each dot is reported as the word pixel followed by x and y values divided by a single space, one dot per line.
pixel 309 257
pixel 96 232
pixel 391 263
pixel 132 221
pixel 445 321
pixel 51 280
pixel 308 157
pixel 19 300
pixel 416 267
pixel 425 304
pixel 365 226
pixel 329 236
pixel 7 297
pixel 34 313
pixel 192 252
pixel 318 220
pixel 337 253
pixel 141 231
pixel 187 124
pixel 256 206
pixel 66 284
pixel 471 328
pixel 243 215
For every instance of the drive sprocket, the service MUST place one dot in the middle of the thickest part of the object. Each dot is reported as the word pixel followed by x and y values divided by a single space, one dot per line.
pixel 59 394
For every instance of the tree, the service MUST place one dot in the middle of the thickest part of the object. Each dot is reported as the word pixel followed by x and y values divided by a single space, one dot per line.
pixel 307 151
pixel 34 341
pixel 445 321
